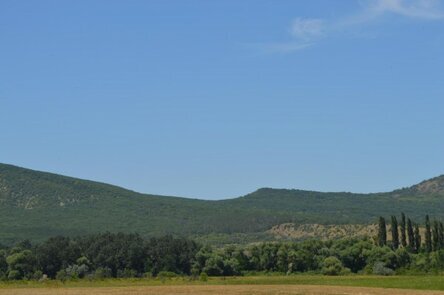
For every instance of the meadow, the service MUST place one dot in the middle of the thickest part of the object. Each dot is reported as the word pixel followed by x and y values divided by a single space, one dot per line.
pixel 263 284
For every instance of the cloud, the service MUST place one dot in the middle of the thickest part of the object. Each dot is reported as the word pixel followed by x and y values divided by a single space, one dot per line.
pixel 428 10
pixel 307 28
pixel 307 31
pixel 420 9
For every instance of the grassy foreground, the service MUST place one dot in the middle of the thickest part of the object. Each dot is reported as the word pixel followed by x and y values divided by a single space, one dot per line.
pixel 430 282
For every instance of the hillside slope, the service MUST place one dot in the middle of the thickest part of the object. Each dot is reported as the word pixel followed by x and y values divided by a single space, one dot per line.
pixel 36 205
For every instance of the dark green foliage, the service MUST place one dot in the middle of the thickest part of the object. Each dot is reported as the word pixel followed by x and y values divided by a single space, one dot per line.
pixel 441 235
pixel 55 254
pixel 39 205
pixel 115 252
pixel 332 266
pixel 21 265
pixel 417 239
pixel 410 234
pixel 3 263
pixel 436 243
pixel 101 256
pixel 128 255
pixel 428 235
pixel 395 233
pixel 170 254
pixel 382 232
pixel 403 231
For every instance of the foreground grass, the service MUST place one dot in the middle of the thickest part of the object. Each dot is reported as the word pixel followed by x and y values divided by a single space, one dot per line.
pixel 435 282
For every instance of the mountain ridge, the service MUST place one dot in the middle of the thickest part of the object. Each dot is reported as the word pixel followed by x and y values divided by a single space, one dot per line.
pixel 432 185
pixel 36 205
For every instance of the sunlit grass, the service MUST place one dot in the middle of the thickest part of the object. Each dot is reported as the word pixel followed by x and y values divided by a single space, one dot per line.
pixel 435 282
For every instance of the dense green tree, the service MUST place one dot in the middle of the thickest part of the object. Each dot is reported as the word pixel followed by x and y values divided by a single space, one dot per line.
pixel 268 258
pixel 352 252
pixel 403 231
pixel 168 254
pixel 21 265
pixel 403 257
pixel 214 266
pixel 382 232
pixel 3 263
pixel 381 254
pixel 115 252
pixel 428 235
pixel 55 254
pixel 395 233
pixel 332 266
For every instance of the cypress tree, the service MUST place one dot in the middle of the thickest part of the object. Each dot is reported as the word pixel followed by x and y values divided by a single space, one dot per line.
pixel 435 236
pixel 403 231
pixel 441 235
pixel 411 234
pixel 382 232
pixel 428 235
pixel 417 239
pixel 395 233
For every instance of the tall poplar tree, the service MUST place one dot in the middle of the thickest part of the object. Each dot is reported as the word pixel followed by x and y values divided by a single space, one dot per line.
pixel 441 235
pixel 395 233
pixel 382 232
pixel 403 231
pixel 410 234
pixel 428 235
pixel 435 236
pixel 417 239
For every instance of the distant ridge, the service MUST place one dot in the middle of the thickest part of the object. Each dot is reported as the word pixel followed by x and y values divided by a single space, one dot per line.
pixel 37 205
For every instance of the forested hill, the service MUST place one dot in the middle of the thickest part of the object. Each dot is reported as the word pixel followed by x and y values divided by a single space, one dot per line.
pixel 37 205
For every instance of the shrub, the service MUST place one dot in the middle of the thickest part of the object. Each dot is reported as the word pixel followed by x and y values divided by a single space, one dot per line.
pixel 102 273
pixel 126 273
pixel 166 275
pixel 38 274
pixel 77 271
pixel 14 275
pixel 203 277
pixel 62 275
pixel 332 266
pixel 379 268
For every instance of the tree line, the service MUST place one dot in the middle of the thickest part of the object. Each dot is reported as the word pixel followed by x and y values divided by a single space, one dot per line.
pixel 129 255
pixel 411 238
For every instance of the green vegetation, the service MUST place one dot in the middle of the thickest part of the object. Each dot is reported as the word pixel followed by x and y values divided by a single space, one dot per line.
pixel 37 205
pixel 121 255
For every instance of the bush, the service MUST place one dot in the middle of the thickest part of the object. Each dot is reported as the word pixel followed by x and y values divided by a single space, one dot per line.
pixel 166 275
pixel 14 275
pixel 126 273
pixel 38 275
pixel 379 268
pixel 332 266
pixel 77 271
pixel 203 277
pixel 103 273
pixel 62 275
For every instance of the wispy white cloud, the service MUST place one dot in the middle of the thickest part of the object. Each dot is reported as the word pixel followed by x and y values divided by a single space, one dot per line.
pixel 307 28
pixel 307 31
pixel 426 10
pixel 420 9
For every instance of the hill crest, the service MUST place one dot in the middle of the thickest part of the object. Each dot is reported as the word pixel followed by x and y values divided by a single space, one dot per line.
pixel 37 205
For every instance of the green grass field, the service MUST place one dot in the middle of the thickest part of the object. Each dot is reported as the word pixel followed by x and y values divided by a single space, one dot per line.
pixel 430 282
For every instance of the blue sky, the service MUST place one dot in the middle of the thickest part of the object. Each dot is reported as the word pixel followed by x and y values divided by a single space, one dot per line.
pixel 214 99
